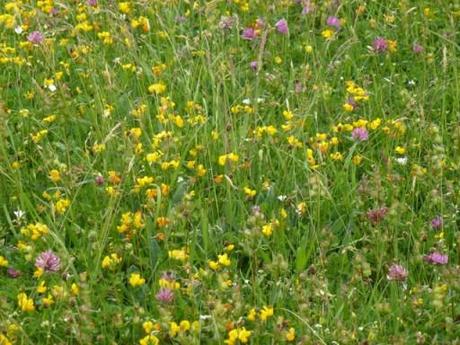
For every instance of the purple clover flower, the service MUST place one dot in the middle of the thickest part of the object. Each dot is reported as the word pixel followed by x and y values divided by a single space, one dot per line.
pixel 48 261
pixel 282 26
pixel 380 45
pixel 360 134
pixel 417 48
pixel 397 272
pixel 436 223
pixel 375 216
pixel 249 34
pixel 436 258
pixel 333 21
pixel 35 37
pixel 165 295
pixel 13 273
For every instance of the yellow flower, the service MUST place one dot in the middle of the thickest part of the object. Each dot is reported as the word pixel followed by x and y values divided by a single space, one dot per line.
pixel 400 150
pixel 174 329
pixel 35 231
pixel 37 137
pixel 184 325
pixel 290 335
pixel 224 260
pixel 16 165
pixel 144 181
pixel 136 280
pixel 392 46
pixel 232 337
pixel 54 175
pixel 374 124
pixel 348 107
pixel 49 119
pixel 98 148
pixel 3 261
pixel 195 326
pixel 336 156
pixel 38 272
pixel 41 288
pixel 288 115
pixel 130 223
pixel 232 157
pixel 170 284
pixel 157 88
pixel 357 159
pixel 47 301
pixel 75 289
pixel 252 314
pixel 105 37
pixel 124 7
pixel 58 291
pixel 149 340
pixel 4 340
pixel 327 34
pixel 250 193
pixel 25 303
pixel 149 326
pixel 294 142
pixel 110 262
pixel 62 205
pixel 301 208
pixel 267 229
pixel 178 254
pixel 266 313
pixel 214 265
pixel 241 334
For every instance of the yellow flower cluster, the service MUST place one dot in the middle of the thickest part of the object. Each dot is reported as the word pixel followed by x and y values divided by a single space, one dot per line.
pixel 111 261
pixel 130 223
pixel 183 327
pixel 178 254
pixel 25 303
pixel 230 157
pixel 238 334
pixel 135 279
pixel 222 261
pixel 35 231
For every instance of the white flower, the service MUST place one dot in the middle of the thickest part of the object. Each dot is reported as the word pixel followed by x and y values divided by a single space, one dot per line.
pixel 52 87
pixel 18 30
pixel 19 214
pixel 401 160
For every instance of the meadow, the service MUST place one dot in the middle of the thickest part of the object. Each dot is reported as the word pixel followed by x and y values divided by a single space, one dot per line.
pixel 229 172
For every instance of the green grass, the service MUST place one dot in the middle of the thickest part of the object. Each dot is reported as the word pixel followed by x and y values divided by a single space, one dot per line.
pixel 304 244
